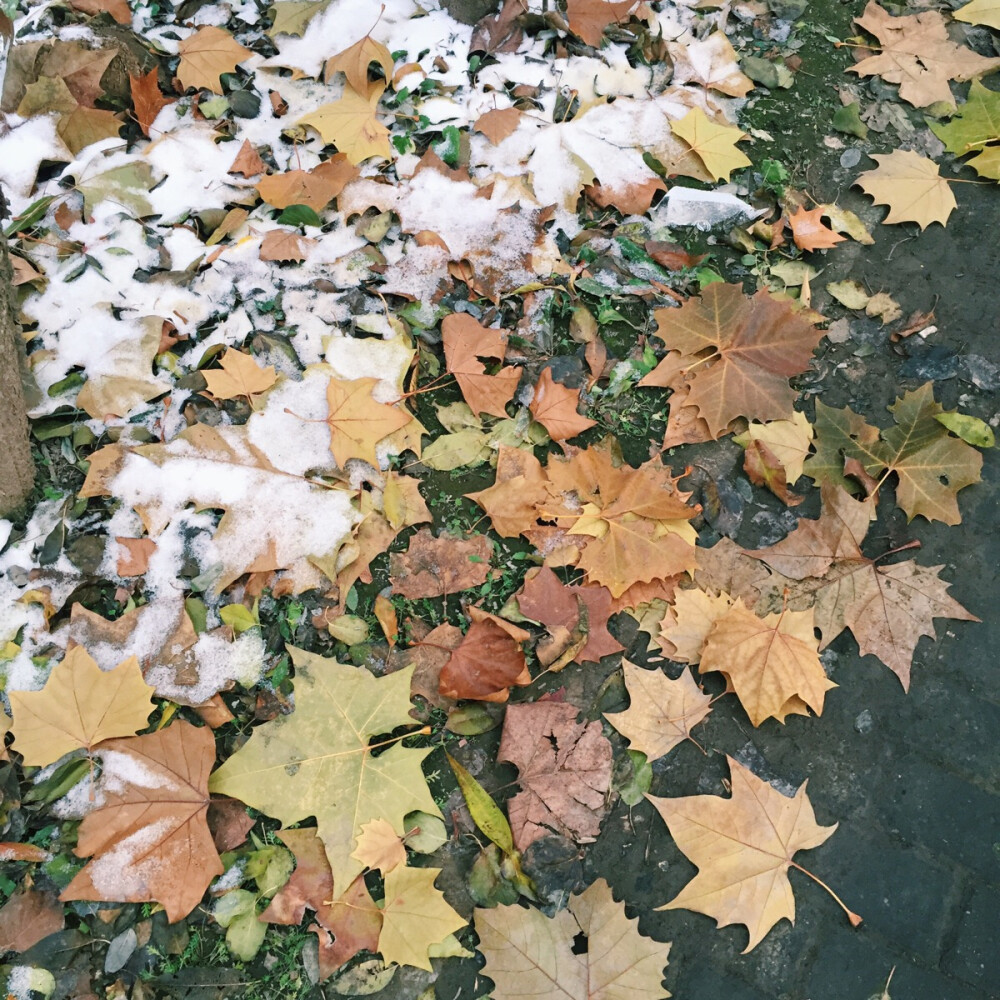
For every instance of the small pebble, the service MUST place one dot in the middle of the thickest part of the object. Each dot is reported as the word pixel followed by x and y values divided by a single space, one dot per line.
pixel 850 157
pixel 865 722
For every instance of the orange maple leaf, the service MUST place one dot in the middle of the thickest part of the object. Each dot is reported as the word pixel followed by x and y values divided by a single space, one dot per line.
pixel 554 406
pixel 809 232
pixel 465 342
pixel 358 421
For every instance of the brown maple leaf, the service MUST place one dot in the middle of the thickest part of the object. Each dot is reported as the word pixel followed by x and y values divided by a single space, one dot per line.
pixel 497 124
pixel 809 232
pixel 486 664
pixel 432 566
pixel 285 244
pixel 344 925
pixel 148 837
pixel 918 55
pixel 27 917
pixel 315 188
pixel 554 406
pixel 512 501
pixel 736 354
pixel 248 161
pixel 564 771
pixel 206 55
pixel 588 18
pixel 147 98
pixel 743 847
pixel 465 342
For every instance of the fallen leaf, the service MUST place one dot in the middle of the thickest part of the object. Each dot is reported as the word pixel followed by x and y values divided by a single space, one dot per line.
pixel 292 17
pixel 354 61
pixel 432 566
pixel 588 18
pixel 314 188
pixel 118 9
pixel 148 837
pixel 317 761
pixel 975 128
pixel 350 123
pixel 205 56
pixel 344 925
pixel 147 98
pixel 529 954
pixel 809 232
pixel 415 917
pixel 743 847
pixel 285 244
pixel 84 126
pixel 662 712
pixel 738 352
pixel 240 375
pixel 713 144
pixel 911 186
pixel 27 917
pixel 134 560
pixel 248 161
pixel 465 342
pixel 380 847
pixel 229 822
pixel 688 621
pixel 358 421
pixel 80 707
pixel 979 12
pixel 82 68
pixel 496 125
pixel 554 406
pixel 767 660
pixel 564 769
pixel 765 469
pixel 711 62
pixel 918 55
pixel 484 666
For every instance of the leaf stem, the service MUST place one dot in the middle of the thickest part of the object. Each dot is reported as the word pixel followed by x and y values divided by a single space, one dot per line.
pixel 851 915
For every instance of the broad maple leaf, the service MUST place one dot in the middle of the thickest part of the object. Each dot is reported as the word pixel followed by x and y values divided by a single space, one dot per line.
pixel 239 375
pixel 555 407
pixel 975 128
pixel 714 144
pixel 564 769
pixel 315 188
pixel 317 761
pixel 358 421
pixel 79 707
pixel 809 232
pixel 432 566
pixel 767 660
pixel 888 608
pixel 148 836
pixel 931 464
pixel 736 353
pixel 531 955
pixel 147 98
pixel 354 61
pixel 688 621
pixel 205 56
pixel 350 123
pixel 512 501
pixel 911 185
pixel 465 342
pixel 344 925
pixel 415 917
pixel 662 712
pixel 743 847
pixel 918 55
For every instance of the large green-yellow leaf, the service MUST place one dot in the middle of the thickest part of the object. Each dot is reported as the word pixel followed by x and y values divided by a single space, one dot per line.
pixel 317 761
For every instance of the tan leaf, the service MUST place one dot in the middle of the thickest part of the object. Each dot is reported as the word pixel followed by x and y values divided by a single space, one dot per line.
pixel 688 621
pixel 662 712
pixel 285 244
pixel 248 161
pixel 315 188
pixel 743 847
pixel 135 560
pixel 711 62
pixel 350 123
pixel 531 955
pixel 240 375
pixel 354 61
pixel 149 838
pixel 79 707
pixel 432 566
pixel 497 124
pixel 205 56
pixel 27 917
pixel 358 421
pixel 84 126
pixel 979 12
pixel 911 186
pixel 564 769
pixel 588 18
pixel 380 847
pixel 554 406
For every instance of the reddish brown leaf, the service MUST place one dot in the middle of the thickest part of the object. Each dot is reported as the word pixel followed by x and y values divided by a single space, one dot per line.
pixel 27 917
pixel 564 771
pixel 315 188
pixel 809 232
pixel 765 469
pixel 630 199
pixel 118 9
pixel 554 406
pixel 135 559
pixel 248 161
pixel 229 822
pixel 285 244
pixel 589 18
pixel 433 566
pixel 486 664
pixel 496 125
pixel 465 342
pixel 147 98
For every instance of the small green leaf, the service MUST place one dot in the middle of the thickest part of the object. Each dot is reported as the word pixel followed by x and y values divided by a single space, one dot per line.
pixel 238 617
pixel 299 215
pixel 486 814
pixel 970 429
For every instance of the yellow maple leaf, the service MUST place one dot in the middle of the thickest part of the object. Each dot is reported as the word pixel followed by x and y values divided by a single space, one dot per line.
pixel 980 12
pixel 206 55
pixel 911 186
pixel 415 917
pixel 350 124
pixel 379 846
pixel 354 61
pixel 79 707
pixel 358 421
pixel 715 145
pixel 240 376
